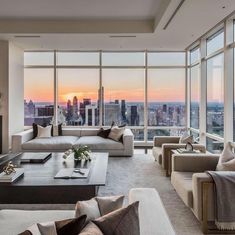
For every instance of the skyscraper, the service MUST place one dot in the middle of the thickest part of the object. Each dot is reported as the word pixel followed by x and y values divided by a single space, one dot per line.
pixel 134 116
pixel 123 110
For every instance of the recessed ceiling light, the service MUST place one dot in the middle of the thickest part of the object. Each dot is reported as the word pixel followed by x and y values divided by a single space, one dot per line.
pixel 223 7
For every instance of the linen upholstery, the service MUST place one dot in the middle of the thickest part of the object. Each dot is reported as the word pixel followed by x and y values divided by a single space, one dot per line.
pixel 89 208
pixel 182 183
pixel 109 203
pixel 196 165
pixel 16 221
pixel 227 159
pixel 120 222
pixel 167 152
pixel 20 142
pixel 197 182
pixel 157 154
pixel 158 141
pixel 53 143
pixel 91 229
pixel 98 143
pixel 152 214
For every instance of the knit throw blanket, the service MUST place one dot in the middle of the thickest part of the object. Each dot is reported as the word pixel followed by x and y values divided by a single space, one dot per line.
pixel 224 199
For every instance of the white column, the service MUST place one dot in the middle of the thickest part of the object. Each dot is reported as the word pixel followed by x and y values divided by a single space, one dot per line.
pixel 228 82
pixel 203 92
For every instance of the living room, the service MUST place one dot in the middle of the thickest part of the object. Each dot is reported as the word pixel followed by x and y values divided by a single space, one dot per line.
pixel 117 117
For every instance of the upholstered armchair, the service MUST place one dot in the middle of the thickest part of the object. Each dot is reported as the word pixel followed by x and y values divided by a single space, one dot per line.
pixel 194 186
pixel 162 150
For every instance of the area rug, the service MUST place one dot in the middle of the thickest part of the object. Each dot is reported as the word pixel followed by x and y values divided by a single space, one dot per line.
pixel 140 170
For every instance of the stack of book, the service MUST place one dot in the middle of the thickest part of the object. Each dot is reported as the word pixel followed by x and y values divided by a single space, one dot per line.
pixel 4 178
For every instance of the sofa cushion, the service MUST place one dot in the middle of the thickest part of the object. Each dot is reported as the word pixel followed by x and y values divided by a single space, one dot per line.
pixel 182 182
pixel 17 221
pixel 157 153
pixel 52 143
pixel 99 143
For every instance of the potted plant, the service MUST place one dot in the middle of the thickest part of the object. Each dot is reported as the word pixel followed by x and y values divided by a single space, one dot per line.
pixel 80 153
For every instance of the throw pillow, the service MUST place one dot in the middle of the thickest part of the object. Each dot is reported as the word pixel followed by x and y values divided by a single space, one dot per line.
pixel 89 208
pixel 109 204
pixel 63 227
pixel 44 132
pixel 120 222
pixel 70 226
pixel 57 130
pixel 90 229
pixel 105 133
pixel 98 206
pixel 227 159
pixel 186 138
pixel 35 130
pixel 116 133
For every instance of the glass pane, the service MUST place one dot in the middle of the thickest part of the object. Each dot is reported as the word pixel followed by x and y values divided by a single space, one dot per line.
pixel 164 132
pixel 194 96
pixel 215 42
pixel 215 95
pixel 78 58
pixel 38 98
pixel 138 134
pixel 123 96
pixel 214 146
pixel 78 96
pixel 123 59
pixel 166 59
pixel 39 58
pixel 195 136
pixel 194 55
pixel 166 97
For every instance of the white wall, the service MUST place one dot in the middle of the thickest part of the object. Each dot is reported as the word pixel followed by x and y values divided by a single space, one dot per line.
pixel 11 90
pixel 16 90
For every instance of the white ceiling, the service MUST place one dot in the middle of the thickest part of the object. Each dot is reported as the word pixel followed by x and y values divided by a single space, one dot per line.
pixel 194 18
pixel 79 9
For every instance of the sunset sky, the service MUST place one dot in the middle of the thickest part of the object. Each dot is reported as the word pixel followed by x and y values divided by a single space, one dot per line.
pixel 164 85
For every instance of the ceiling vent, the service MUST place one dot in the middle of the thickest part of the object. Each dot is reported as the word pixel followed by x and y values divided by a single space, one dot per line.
pixel 122 36
pixel 27 36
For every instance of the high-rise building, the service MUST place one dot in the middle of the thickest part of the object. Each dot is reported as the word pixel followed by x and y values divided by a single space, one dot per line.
pixel 134 116
pixel 112 113
pixel 75 105
pixel 123 110
pixel 47 110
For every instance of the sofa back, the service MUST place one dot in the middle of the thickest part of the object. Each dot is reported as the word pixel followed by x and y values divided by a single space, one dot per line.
pixel 75 131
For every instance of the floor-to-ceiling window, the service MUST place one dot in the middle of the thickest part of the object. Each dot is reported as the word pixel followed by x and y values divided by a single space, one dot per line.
pixel 165 93
pixel 215 90
pixel 78 82
pixel 38 88
pixel 194 75
pixel 123 76
pixel 144 90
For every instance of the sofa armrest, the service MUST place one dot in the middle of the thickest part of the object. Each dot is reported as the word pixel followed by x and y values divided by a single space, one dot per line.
pixel 194 162
pixel 128 142
pixel 197 182
pixel 158 141
pixel 20 138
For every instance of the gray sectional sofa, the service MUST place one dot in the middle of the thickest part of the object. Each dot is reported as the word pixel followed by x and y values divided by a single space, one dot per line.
pixel 72 137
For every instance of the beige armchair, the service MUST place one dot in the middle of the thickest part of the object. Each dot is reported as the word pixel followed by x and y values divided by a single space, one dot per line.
pixel 162 150
pixel 193 185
